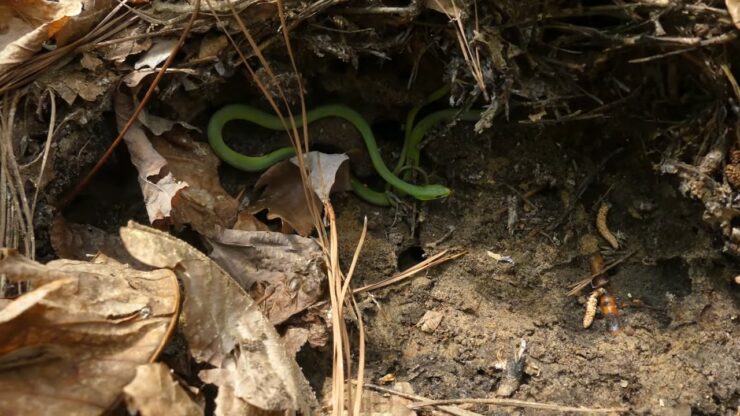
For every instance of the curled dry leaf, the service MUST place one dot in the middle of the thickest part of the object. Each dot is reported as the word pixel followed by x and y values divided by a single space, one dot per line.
pixel 154 392
pixel 159 51
pixel 284 271
pixel 281 193
pixel 226 329
pixel 72 343
pixel 281 190
pixel 178 176
pixel 204 204
pixel 324 169
pixel 26 25
pixel 158 186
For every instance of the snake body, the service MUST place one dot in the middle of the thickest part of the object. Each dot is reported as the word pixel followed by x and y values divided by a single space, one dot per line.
pixel 270 121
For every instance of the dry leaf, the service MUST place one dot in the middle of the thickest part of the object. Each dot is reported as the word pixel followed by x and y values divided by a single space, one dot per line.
pixel 159 51
pixel 26 25
pixel 283 270
pixel 157 186
pixel 204 204
pixel 212 45
pixel 73 83
pixel 294 338
pixel 90 62
pixel 178 176
pixel 83 242
pixel 281 193
pixel 119 51
pixel 225 329
pixel 281 190
pixel 70 345
pixel 323 170
pixel 153 392
pixel 248 222
pixel 733 6
pixel 93 11
pixel 159 125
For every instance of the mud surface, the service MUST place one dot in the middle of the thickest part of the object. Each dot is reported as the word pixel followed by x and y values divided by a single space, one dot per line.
pixel 677 351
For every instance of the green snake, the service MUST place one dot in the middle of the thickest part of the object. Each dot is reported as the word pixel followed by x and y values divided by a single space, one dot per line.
pixel 410 150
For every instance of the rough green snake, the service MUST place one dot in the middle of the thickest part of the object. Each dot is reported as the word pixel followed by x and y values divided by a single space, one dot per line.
pixel 269 121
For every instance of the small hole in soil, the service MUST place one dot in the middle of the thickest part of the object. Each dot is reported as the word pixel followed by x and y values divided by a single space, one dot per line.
pixel 410 257
pixel 387 130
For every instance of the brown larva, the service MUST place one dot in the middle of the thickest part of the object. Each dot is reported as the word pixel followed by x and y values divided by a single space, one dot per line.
pixel 593 299
pixel 603 228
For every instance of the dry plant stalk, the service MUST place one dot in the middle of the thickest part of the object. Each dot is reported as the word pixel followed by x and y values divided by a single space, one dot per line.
pixel 472 58
pixel 16 214
pixel 338 283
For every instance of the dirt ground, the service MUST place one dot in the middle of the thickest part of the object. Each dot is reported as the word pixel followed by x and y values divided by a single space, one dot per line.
pixel 677 352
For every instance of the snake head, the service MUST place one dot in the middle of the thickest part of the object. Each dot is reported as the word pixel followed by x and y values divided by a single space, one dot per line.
pixel 432 192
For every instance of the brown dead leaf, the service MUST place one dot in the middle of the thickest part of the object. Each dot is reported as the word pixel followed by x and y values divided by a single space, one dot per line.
pixel 226 329
pixel 160 125
pixel 294 338
pixel 248 222
pixel 83 242
pixel 324 170
pixel 91 62
pixel 178 175
pixel 283 270
pixel 26 25
pixel 77 26
pixel 204 204
pixel 157 185
pixel 212 45
pixel 119 51
pixel 73 83
pixel 153 392
pixel 281 193
pixel 70 345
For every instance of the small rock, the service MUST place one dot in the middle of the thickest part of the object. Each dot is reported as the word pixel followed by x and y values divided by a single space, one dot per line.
pixel 430 321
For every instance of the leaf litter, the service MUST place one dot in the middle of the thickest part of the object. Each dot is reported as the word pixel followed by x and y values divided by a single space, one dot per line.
pixel 74 340
pixel 225 328
pixel 283 271
pixel 281 193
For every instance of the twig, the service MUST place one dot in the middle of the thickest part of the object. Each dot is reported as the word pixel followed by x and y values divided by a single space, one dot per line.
pixel 577 287
pixel 439 258
pixel 520 403
pixel 423 402
pixel 360 323
pixel 49 137
pixel 449 409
